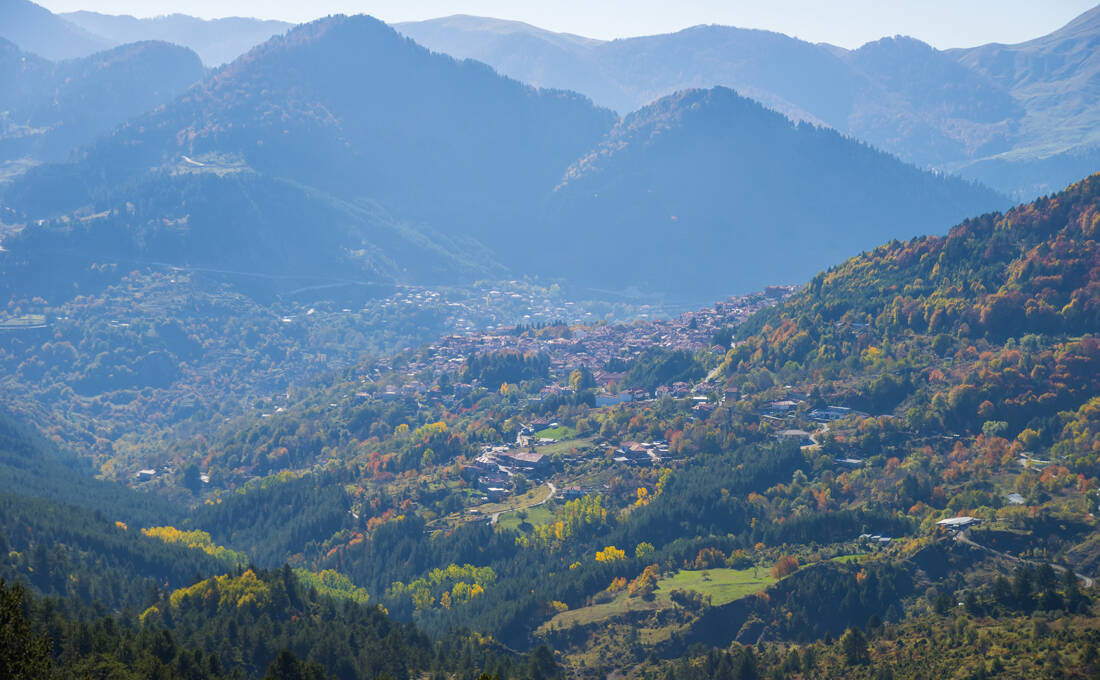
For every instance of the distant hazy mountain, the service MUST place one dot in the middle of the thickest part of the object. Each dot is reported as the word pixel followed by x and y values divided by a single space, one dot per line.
pixel 1056 80
pixel 48 109
pixel 1024 117
pixel 35 29
pixel 348 107
pixel 345 150
pixel 217 41
pixel 704 192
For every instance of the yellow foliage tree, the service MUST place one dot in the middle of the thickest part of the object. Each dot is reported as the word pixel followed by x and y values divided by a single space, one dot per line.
pixel 610 554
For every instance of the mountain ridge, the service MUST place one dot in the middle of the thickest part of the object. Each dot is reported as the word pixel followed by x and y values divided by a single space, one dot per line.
pixel 216 41
pixel 1016 150
pixel 36 29
pixel 712 166
pixel 52 108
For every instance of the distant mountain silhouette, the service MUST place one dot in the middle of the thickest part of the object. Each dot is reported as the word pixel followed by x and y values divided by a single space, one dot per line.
pixel 49 109
pixel 38 30
pixel 349 106
pixel 351 114
pixel 1021 117
pixel 1056 80
pixel 216 41
pixel 706 192
pixel 343 149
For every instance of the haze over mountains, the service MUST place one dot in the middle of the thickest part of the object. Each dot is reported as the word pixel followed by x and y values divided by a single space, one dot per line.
pixel 1022 118
pixel 452 148
pixel 80 34
pixel 400 367
pixel 51 108
pixel 711 167
pixel 36 29
pixel 216 41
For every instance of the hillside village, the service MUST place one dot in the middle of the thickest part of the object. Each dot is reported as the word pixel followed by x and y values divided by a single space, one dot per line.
pixel 430 378
pixel 570 347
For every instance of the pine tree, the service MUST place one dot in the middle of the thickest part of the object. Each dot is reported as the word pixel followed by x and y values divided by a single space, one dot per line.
pixel 23 654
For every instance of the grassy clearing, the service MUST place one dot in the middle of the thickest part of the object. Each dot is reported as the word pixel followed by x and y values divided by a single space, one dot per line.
pixel 536 516
pixel 606 610
pixel 721 585
pixel 560 433
pixel 565 447
pixel 847 559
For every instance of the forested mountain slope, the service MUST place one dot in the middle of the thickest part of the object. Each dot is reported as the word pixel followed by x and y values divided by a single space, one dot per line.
pixel 770 199
pixel 1021 118
pixel 994 323
pixel 348 106
pixel 265 235
pixel 35 29
pixel 137 598
pixel 342 151
pixel 478 168
pixel 47 110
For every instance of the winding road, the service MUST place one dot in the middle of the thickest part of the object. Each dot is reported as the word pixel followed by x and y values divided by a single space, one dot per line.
pixel 553 490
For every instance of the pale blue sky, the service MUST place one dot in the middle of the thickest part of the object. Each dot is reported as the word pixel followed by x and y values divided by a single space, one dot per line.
pixel 849 23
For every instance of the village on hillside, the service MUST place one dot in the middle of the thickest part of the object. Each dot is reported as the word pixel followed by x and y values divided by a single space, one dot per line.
pixel 605 351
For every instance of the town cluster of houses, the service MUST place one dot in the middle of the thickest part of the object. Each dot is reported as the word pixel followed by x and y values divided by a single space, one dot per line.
pixel 643 453
pixel 589 346
pixel 492 471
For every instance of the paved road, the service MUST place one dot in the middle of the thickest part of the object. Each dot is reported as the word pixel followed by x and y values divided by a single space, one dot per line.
pixel 963 537
pixel 553 490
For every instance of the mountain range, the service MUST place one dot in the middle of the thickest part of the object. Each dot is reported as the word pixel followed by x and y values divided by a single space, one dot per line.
pixel 352 111
pixel 73 35
pixel 1022 118
pixel 216 41
pixel 308 470
pixel 1019 118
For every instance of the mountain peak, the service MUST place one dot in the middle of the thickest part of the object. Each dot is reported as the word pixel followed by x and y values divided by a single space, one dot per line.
pixel 1086 24
pixel 35 29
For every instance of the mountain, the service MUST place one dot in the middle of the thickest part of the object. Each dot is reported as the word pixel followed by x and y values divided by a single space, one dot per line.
pixel 216 41
pixel 345 108
pixel 347 105
pixel 49 109
pixel 524 52
pixel 1056 80
pixel 35 29
pixel 453 149
pixel 782 72
pixel 266 235
pixel 1019 117
pixel 706 191
pixel 926 105
pixel 1030 272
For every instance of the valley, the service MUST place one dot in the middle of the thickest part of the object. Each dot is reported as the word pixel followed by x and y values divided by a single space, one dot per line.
pixel 327 353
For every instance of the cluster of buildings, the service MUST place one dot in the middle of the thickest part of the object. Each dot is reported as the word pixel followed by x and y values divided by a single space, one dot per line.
pixel 643 453
pixel 493 470
pixel 604 349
